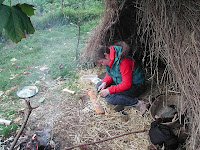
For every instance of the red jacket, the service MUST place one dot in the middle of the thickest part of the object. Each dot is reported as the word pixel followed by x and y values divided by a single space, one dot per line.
pixel 126 70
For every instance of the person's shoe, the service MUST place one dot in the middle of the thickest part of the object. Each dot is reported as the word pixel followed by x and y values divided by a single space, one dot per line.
pixel 119 108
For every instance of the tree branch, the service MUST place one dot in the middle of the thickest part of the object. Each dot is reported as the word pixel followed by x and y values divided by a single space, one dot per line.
pixel 24 124
pixel 79 34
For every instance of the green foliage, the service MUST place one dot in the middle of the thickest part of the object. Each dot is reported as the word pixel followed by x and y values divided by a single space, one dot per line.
pixel 15 22
pixel 4 18
pixel 5 130
pixel 27 9
pixel 53 45
pixel 87 26
pixel 68 15
pixel 32 49
pixel 64 17
pixel 82 4
pixel 46 47
pixel 9 114
pixel 1 1
pixel 50 1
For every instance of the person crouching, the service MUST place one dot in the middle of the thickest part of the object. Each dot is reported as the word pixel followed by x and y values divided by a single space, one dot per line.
pixel 124 79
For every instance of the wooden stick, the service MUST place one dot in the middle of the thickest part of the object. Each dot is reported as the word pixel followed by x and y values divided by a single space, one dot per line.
pixel 100 141
pixel 24 124
pixel 95 103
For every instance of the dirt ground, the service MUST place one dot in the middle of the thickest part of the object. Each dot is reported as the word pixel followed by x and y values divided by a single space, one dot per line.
pixel 71 120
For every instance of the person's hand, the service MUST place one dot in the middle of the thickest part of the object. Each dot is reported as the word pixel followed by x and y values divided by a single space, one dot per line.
pixel 104 92
pixel 102 86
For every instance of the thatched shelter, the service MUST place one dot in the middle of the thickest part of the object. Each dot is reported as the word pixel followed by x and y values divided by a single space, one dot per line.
pixel 164 34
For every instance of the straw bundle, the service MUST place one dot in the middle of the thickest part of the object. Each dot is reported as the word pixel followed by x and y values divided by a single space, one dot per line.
pixel 103 34
pixel 170 31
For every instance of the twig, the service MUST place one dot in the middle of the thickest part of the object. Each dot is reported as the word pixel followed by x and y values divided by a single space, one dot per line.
pixel 100 141
pixel 79 34
pixel 24 124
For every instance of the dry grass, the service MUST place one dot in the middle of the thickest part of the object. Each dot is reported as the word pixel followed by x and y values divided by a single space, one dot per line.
pixel 170 30
pixel 106 27
pixel 73 121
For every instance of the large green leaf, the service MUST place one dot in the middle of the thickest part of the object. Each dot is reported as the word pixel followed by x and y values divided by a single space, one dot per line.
pixel 4 16
pixel 27 9
pixel 18 25
pixel 1 1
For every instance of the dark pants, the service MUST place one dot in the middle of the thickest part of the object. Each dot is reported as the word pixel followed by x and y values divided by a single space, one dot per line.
pixel 127 97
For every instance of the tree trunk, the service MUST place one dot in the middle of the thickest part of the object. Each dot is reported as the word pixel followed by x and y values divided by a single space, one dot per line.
pixel 62 3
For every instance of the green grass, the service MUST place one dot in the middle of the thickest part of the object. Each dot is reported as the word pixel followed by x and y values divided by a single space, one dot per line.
pixel 51 48
pixel 6 130
pixel 52 45
pixel 7 111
